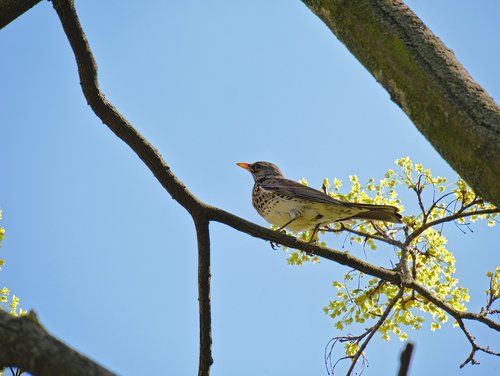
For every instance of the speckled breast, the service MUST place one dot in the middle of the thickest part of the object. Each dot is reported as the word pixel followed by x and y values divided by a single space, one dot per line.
pixel 264 202
pixel 274 208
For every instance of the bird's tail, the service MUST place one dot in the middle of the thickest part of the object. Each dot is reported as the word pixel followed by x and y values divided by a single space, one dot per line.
pixel 386 213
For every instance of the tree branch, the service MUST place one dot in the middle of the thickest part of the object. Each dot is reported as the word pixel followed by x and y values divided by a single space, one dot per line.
pixel 203 237
pixel 110 116
pixel 343 258
pixel 418 191
pixel 434 204
pixel 11 9
pixel 374 330
pixel 404 360
pixel 431 297
pixel 383 238
pixel 25 344
pixel 475 347
pixel 423 77
pixel 449 218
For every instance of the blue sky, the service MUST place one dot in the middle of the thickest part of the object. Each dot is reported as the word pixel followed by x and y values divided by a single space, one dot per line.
pixel 108 260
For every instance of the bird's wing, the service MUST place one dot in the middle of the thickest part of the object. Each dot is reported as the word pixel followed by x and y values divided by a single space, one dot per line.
pixel 292 188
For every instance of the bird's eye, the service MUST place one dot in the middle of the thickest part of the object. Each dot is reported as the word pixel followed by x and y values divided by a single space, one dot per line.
pixel 256 167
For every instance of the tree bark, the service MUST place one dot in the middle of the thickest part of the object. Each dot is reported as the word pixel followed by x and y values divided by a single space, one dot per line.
pixel 25 344
pixel 423 77
pixel 11 9
pixel 204 275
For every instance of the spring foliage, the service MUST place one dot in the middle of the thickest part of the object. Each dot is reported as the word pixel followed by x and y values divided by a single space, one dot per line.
pixel 7 302
pixel 363 299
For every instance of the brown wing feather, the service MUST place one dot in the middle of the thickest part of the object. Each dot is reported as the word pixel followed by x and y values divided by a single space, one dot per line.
pixel 292 188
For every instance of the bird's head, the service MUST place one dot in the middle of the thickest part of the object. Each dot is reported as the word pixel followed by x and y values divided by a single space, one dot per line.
pixel 261 170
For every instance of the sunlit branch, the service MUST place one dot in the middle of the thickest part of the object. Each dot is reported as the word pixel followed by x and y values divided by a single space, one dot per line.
pixel 449 218
pixel 434 205
pixel 362 234
pixel 418 190
pixel 492 298
pixel 456 314
pixel 374 329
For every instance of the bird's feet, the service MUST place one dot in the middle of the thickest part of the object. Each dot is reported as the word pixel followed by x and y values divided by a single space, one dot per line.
pixel 274 246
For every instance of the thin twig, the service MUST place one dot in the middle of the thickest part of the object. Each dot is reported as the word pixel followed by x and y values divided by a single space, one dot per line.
pixel 385 233
pixel 449 218
pixel 434 203
pixel 374 329
pixel 475 347
pixel 418 190
pixel 387 240
pixel 492 298
pixel 456 314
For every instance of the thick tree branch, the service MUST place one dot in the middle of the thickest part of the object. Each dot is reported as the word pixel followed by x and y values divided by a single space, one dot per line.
pixel 424 78
pixel 11 9
pixel 203 237
pixel 25 344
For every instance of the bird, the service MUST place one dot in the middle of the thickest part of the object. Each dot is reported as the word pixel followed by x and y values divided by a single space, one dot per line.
pixel 287 204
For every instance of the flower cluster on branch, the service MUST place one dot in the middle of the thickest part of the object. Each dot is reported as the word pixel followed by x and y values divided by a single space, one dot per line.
pixel 421 257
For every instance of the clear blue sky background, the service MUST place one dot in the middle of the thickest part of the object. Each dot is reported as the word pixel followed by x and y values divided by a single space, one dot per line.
pixel 108 259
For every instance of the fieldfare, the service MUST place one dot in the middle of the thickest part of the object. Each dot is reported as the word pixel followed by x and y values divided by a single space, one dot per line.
pixel 288 204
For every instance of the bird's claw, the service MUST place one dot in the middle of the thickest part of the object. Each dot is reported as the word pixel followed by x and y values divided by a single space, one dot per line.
pixel 275 246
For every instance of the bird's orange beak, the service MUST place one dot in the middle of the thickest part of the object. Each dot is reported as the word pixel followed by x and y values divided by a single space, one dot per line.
pixel 246 166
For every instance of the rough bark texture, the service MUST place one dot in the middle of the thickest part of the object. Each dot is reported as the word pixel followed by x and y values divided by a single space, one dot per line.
pixel 11 9
pixel 25 344
pixel 424 78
